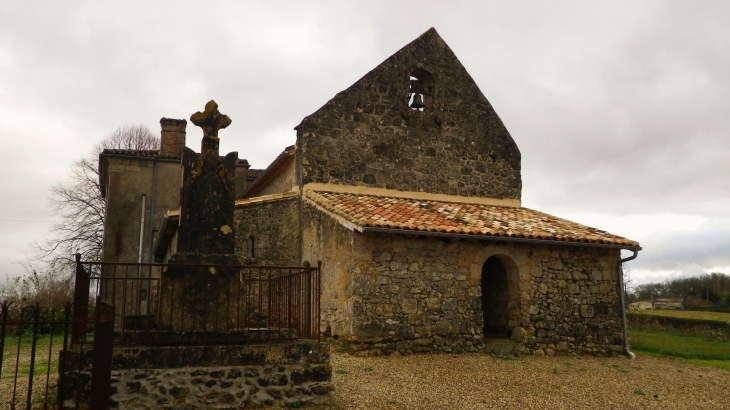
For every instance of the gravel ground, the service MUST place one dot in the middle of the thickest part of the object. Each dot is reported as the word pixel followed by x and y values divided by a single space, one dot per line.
pixel 21 386
pixel 475 381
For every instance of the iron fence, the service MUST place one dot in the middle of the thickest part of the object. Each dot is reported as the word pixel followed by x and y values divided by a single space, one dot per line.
pixel 39 366
pixel 31 338
pixel 202 304
pixel 61 357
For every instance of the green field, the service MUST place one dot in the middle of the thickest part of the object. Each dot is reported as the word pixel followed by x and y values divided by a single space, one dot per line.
pixel 697 350
pixel 42 364
pixel 687 314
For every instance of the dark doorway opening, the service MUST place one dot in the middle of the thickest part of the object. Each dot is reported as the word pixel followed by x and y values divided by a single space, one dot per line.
pixel 495 298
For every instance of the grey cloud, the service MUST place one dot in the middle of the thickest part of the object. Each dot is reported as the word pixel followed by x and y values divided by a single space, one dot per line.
pixel 618 107
pixel 708 246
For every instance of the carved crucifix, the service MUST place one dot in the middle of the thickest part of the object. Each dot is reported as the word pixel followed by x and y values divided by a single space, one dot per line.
pixel 211 120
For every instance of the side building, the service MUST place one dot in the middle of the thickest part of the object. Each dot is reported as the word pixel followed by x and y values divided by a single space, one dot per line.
pixel 140 188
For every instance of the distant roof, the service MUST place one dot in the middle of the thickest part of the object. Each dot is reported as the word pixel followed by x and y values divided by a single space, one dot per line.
pixel 478 220
pixel 252 174
pixel 153 153
pixel 142 153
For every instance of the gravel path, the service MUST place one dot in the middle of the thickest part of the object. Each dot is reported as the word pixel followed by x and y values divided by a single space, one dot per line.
pixel 474 381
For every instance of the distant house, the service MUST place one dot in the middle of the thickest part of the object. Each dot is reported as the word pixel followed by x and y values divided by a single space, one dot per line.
pixel 641 305
pixel 668 304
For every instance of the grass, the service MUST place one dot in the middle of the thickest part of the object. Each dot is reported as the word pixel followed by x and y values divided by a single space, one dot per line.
pixel 686 347
pixel 687 314
pixel 696 350
pixel 43 345
pixel 718 364
pixel 45 373
pixel 335 345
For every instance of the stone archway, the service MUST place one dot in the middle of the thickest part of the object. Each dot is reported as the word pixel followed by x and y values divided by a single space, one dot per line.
pixel 499 295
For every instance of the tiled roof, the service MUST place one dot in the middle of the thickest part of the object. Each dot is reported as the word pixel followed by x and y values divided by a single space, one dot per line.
pixel 458 218
pixel 142 153
pixel 252 174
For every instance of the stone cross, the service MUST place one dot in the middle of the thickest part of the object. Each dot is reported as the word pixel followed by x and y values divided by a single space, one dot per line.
pixel 211 120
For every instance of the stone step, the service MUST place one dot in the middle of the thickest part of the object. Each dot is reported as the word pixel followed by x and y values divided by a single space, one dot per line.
pixel 502 346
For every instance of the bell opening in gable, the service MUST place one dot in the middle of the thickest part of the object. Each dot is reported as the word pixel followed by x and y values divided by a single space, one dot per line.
pixel 420 93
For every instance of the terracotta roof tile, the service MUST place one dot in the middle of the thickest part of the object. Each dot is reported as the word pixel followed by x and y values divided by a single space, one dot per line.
pixel 461 218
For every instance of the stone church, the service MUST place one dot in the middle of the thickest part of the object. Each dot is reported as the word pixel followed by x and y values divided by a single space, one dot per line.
pixel 405 189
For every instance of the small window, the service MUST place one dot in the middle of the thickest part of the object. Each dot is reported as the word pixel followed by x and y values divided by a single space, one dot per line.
pixel 420 94
pixel 250 247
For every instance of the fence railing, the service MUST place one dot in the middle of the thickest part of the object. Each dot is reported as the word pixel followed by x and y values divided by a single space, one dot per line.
pixel 31 338
pixel 39 366
pixel 202 304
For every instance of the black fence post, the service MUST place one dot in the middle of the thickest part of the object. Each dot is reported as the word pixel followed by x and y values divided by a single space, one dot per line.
pixel 81 301
pixel 101 367
pixel 3 325
pixel 63 356
pixel 34 340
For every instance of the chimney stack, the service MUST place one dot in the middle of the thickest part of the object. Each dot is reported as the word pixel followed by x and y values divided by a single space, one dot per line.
pixel 172 139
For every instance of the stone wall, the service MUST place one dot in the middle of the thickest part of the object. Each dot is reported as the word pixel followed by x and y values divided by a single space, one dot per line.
pixel 367 135
pixel 386 292
pixel 216 377
pixel 710 329
pixel 325 242
pixel 572 301
pixel 274 226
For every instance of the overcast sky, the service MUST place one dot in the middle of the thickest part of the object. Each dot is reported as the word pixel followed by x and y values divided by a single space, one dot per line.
pixel 620 109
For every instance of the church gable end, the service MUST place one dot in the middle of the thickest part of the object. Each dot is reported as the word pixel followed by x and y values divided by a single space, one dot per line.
pixel 417 122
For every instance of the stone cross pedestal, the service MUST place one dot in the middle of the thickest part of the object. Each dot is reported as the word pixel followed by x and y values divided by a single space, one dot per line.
pixel 195 299
pixel 207 198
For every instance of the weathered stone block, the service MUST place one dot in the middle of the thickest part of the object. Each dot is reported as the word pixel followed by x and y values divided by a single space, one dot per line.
pixel 384 310
pixel 433 303
pixel 409 306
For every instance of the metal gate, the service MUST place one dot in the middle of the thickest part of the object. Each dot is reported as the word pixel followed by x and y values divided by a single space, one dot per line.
pixel 31 339
pixel 101 367
pixel 38 367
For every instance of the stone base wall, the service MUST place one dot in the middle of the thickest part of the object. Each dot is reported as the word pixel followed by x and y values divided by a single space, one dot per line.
pixel 709 329
pixel 221 387
pixel 388 292
pixel 209 377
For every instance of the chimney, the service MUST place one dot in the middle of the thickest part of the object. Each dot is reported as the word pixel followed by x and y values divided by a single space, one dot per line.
pixel 172 139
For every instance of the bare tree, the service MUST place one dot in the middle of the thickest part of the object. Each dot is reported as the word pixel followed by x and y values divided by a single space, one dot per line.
pixel 630 295
pixel 47 287
pixel 78 202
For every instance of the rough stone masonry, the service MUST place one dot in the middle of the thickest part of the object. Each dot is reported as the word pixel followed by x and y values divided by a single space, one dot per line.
pixel 214 377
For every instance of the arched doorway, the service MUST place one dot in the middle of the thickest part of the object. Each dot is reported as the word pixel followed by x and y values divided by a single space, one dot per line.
pixel 495 298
